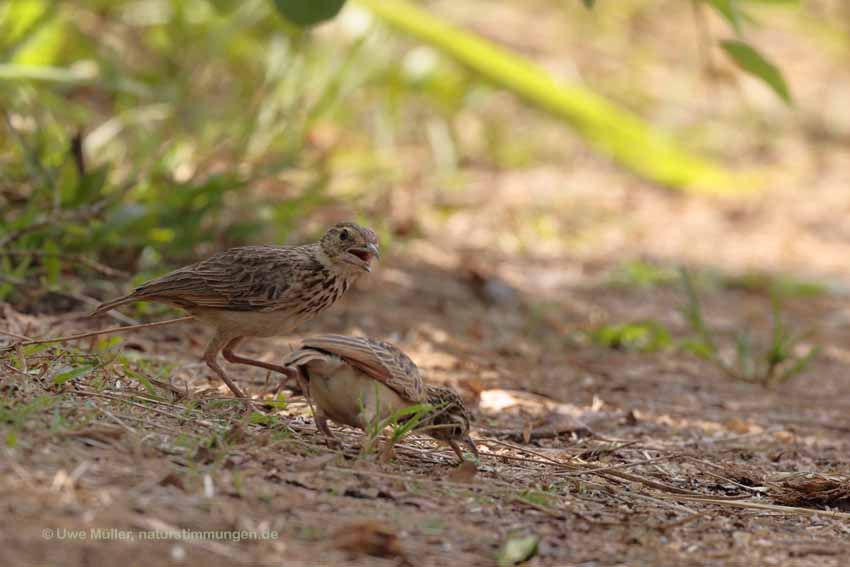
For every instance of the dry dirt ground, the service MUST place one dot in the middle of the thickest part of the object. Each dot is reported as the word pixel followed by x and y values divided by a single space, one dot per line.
pixel 605 457
pixel 590 455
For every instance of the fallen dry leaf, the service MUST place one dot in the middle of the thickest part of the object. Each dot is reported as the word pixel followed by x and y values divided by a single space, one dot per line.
pixel 738 425
pixel 785 436
pixel 814 490
pixel 369 538
pixel 172 479
pixel 464 472
pixel 518 549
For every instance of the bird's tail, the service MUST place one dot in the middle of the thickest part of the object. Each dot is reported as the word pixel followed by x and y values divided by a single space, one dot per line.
pixel 109 305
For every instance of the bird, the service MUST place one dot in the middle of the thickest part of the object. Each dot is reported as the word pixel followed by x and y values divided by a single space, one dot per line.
pixel 261 291
pixel 359 381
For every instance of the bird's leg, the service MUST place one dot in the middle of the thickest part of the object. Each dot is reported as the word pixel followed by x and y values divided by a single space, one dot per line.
pixel 322 424
pixel 211 358
pixel 453 444
pixel 319 416
pixel 302 378
pixel 234 358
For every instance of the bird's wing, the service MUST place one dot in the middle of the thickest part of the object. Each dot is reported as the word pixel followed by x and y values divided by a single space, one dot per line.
pixel 304 356
pixel 248 278
pixel 380 360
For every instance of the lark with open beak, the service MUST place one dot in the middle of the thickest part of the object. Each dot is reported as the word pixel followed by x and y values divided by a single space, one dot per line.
pixel 262 291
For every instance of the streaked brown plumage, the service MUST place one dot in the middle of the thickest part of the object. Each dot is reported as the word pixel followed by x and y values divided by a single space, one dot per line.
pixel 261 291
pixel 358 381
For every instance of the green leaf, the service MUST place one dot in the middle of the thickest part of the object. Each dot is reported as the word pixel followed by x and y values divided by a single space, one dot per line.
pixel 588 4
pixel 754 63
pixel 518 549
pixel 107 343
pixel 35 349
pixel 697 347
pixel 639 336
pixel 279 401
pixel 143 380
pixel 258 418
pixel 308 12
pixel 63 377
pixel 729 11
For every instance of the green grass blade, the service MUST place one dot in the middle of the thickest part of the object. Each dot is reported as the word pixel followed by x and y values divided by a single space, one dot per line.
pixel 66 375
pixel 20 72
pixel 799 366
pixel 144 381
pixel 693 314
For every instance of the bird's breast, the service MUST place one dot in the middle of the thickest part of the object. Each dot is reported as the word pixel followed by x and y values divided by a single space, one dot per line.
pixel 249 323
pixel 316 296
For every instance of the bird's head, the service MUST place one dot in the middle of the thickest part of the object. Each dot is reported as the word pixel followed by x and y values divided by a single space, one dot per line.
pixel 350 245
pixel 450 420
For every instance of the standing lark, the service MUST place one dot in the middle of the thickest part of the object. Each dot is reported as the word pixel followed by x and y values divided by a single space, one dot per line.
pixel 261 291
pixel 359 382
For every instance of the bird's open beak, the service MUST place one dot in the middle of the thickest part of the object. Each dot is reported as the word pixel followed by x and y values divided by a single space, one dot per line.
pixel 373 248
pixel 365 254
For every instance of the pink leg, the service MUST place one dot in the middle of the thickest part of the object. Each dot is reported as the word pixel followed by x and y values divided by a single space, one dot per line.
pixel 211 358
pixel 234 358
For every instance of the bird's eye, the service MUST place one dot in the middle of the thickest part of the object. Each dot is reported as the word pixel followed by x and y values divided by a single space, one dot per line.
pixel 343 235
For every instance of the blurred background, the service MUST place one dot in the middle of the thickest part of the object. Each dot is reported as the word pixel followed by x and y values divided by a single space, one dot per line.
pixel 539 156
pixel 149 133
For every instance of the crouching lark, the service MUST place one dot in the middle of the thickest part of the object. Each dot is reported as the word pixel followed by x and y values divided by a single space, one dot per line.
pixel 261 291
pixel 358 382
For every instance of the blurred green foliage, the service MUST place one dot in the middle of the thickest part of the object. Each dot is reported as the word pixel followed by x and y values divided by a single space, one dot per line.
pixel 770 361
pixel 145 133
pixel 638 336
pixel 776 285
pixel 308 13
pixel 160 90
pixel 648 274
pixel 782 356
pixel 643 274
pixel 745 55
pixel 753 62
pixel 609 128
